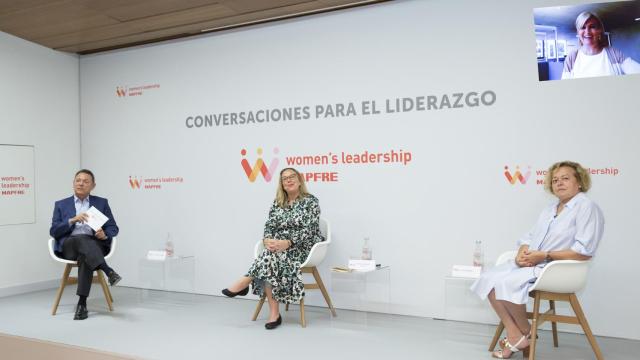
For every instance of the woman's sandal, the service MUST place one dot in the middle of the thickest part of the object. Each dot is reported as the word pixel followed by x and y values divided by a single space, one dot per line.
pixel 502 341
pixel 499 354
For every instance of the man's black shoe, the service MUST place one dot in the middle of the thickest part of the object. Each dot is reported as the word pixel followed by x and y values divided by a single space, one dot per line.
pixel 114 278
pixel 81 312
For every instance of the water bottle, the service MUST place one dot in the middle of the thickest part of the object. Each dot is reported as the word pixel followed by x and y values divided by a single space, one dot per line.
pixel 168 246
pixel 478 256
pixel 366 250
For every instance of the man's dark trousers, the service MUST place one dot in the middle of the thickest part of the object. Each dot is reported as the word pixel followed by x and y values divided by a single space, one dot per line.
pixel 89 252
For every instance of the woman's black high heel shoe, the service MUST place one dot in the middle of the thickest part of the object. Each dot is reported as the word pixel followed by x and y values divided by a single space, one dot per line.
pixel 274 324
pixel 229 293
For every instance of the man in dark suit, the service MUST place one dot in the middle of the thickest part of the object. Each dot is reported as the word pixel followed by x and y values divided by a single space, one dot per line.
pixel 75 240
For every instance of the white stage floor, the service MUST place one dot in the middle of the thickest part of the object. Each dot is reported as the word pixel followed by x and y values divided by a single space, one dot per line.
pixel 163 325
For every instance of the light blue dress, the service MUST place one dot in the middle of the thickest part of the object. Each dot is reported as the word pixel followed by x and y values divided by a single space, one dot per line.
pixel 578 227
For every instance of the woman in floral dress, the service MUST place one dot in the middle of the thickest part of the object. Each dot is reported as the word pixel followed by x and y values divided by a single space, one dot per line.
pixel 289 234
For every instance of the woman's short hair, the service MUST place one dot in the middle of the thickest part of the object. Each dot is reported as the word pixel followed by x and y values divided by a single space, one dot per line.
pixel 582 175
pixel 586 15
pixel 281 194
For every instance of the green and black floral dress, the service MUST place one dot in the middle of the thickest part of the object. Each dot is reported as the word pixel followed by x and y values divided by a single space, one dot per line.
pixel 300 223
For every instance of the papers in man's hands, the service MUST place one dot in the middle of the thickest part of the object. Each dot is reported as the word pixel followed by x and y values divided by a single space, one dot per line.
pixel 96 218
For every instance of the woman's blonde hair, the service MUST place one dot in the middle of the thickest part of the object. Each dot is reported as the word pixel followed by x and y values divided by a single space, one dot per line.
pixel 582 18
pixel 582 175
pixel 281 195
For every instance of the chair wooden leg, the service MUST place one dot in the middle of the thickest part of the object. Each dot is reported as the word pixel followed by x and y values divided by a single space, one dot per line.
pixel 496 336
pixel 303 321
pixel 554 325
pixel 108 290
pixel 105 289
pixel 323 290
pixel 534 326
pixel 258 308
pixel 109 293
pixel 585 325
pixel 63 283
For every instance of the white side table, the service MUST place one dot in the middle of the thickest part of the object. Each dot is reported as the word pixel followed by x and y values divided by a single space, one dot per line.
pixel 362 292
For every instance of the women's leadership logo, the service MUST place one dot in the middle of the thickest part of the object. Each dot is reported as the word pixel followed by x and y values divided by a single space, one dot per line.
pixel 259 167
pixel 517 176
pixel 121 91
pixel 134 182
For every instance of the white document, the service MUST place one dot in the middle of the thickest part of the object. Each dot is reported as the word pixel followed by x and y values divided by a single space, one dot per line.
pixel 96 218
pixel 157 255
pixel 362 265
pixel 466 271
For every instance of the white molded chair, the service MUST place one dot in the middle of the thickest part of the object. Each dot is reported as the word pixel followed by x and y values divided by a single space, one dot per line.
pixel 68 280
pixel 316 256
pixel 559 280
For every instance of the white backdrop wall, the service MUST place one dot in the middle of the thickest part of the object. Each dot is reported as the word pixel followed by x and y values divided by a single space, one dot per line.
pixel 39 106
pixel 423 216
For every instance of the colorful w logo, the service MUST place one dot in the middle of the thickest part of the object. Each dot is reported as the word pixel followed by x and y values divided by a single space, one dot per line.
pixel 120 91
pixel 135 184
pixel 259 166
pixel 517 176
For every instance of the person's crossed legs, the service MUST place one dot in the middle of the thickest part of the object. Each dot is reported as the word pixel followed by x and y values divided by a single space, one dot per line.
pixel 89 252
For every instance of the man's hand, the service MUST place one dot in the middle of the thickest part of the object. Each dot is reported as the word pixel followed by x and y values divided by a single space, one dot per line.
pixel 81 218
pixel 100 234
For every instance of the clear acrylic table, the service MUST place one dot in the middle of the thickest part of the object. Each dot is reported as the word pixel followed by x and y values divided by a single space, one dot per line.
pixel 174 273
pixel 359 294
pixel 461 304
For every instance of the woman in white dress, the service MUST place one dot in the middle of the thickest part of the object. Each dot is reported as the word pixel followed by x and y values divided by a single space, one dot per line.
pixel 568 229
pixel 595 57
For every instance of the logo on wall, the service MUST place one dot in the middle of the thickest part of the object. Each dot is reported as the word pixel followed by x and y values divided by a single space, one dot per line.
pixel 155 183
pixel 259 167
pixel 121 91
pixel 134 182
pixel 14 186
pixel 539 175
pixel 138 90
pixel 517 176
pixel 308 164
